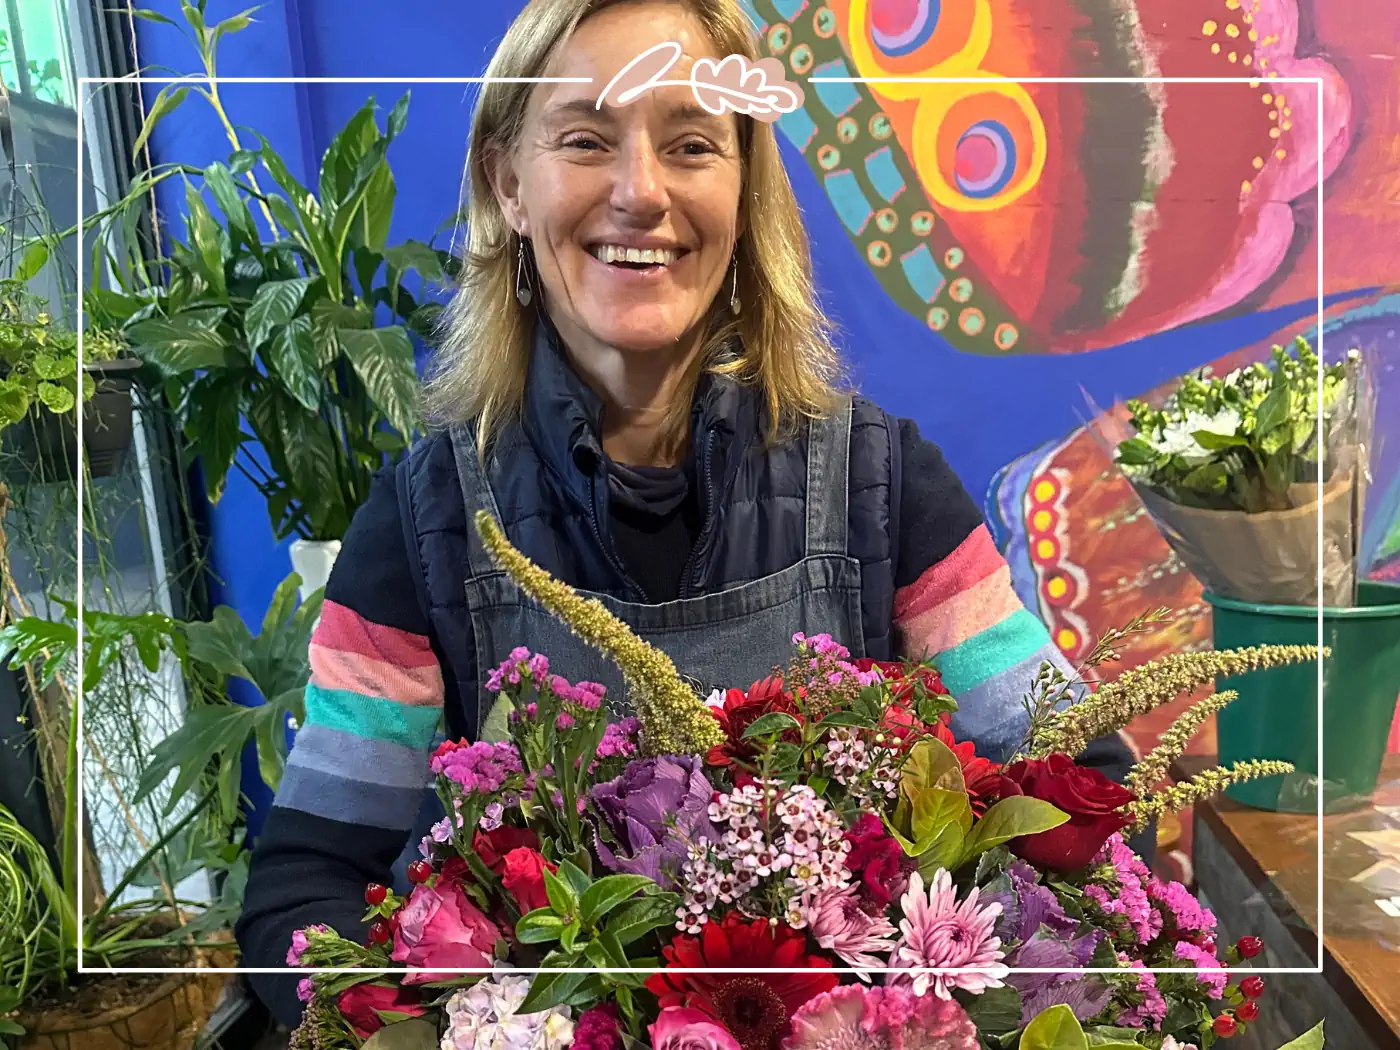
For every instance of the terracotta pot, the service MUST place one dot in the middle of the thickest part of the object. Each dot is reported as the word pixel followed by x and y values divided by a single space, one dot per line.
pixel 168 1017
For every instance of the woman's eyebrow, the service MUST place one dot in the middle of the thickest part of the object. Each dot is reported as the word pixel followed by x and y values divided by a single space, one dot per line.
pixel 574 108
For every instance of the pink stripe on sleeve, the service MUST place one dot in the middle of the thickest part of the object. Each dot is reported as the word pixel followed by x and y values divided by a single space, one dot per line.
pixel 939 627
pixel 357 673
pixel 347 631
pixel 974 560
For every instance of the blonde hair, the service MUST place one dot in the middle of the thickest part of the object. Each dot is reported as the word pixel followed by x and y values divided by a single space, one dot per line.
pixel 479 370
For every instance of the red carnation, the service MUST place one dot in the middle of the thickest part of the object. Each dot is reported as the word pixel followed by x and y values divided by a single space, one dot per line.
pixel 1094 804
pixel 740 711
pixel 755 1007
pixel 877 859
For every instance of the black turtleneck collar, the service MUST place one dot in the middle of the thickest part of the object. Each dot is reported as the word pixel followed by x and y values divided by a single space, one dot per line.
pixel 563 418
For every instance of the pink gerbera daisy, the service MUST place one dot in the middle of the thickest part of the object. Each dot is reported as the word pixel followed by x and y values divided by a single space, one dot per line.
pixel 940 933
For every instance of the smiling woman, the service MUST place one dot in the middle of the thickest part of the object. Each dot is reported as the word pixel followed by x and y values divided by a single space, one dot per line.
pixel 638 383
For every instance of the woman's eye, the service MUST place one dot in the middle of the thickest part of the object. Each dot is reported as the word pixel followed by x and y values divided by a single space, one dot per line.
pixel 696 149
pixel 583 142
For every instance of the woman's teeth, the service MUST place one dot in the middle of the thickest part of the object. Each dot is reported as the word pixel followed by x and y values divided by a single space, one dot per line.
pixel 612 253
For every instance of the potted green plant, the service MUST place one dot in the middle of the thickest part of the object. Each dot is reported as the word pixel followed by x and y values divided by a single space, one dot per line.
pixel 281 318
pixel 41 386
pixel 40 994
pixel 1230 470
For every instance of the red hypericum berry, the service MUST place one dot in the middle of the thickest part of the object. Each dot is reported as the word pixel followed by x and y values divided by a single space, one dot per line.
pixel 1253 987
pixel 375 894
pixel 1250 946
pixel 419 872
pixel 1248 1011
pixel 1225 1026
pixel 379 932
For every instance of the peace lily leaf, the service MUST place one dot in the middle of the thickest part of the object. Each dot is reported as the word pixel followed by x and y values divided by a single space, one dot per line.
pixel 273 304
pixel 1312 1039
pixel 1010 819
pixel 1054 1029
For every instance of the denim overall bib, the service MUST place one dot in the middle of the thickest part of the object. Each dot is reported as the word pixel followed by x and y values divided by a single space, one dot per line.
pixel 730 638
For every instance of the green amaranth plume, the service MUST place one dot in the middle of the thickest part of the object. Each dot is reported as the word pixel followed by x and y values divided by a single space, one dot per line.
pixel 674 719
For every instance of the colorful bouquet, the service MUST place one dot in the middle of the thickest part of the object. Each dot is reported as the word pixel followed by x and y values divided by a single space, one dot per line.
pixel 813 863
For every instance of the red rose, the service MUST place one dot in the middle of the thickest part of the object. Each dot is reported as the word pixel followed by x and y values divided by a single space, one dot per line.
pixel 523 878
pixel 1092 801
pixel 740 711
pixel 492 846
pixel 359 1003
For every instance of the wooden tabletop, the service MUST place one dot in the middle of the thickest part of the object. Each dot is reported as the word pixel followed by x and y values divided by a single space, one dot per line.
pixel 1278 853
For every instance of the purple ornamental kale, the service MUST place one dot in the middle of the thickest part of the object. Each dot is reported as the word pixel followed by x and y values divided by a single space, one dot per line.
pixel 651 814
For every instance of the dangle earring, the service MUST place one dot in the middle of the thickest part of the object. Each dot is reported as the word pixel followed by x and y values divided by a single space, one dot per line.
pixel 523 292
pixel 734 290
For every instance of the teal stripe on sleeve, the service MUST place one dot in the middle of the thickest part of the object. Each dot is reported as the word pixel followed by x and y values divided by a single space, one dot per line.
pixel 372 717
pixel 989 652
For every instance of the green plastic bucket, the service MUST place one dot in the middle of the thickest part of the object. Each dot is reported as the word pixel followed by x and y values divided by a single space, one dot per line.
pixel 1276 713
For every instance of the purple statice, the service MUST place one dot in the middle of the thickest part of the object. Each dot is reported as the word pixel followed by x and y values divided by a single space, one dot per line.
pixel 648 816
pixel 1153 1009
pixel 1187 916
pixel 1204 960
pixel 620 739
pixel 477 768
pixel 491 817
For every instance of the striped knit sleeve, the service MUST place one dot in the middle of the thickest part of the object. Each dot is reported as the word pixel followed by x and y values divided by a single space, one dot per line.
pixel 954 603
pixel 357 777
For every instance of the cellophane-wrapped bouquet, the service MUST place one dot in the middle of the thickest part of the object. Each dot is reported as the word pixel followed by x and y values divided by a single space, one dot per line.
pixel 812 863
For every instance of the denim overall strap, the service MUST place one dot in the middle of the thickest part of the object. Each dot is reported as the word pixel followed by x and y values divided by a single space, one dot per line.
pixel 828 481
pixel 477 495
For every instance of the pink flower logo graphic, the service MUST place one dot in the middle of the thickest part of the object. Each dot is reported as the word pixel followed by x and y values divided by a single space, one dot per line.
pixel 759 90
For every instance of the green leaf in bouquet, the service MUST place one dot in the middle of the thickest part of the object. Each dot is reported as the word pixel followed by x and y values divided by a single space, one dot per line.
pixel 1054 1029
pixel 932 764
pixel 555 982
pixel 637 918
pixel 773 722
pixel 995 1011
pixel 415 1034
pixel 575 876
pixel 1273 411
pixel 1137 452
pixel 1211 441
pixel 1312 1039
pixel 607 893
pixel 852 719
pixel 539 927
pixel 562 897
pixel 1108 1037
pixel 1010 819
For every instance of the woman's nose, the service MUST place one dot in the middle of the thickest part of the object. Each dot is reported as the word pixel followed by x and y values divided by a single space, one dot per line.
pixel 639 185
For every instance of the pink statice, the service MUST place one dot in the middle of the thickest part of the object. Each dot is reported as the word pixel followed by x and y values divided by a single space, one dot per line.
pixel 1153 1009
pixel 1204 960
pixel 1126 893
pixel 563 721
pixel 587 695
pixel 479 767
pixel 821 645
pixel 305 989
pixel 940 932
pixel 301 941
pixel 841 925
pixel 1188 917
pixel 513 668
pixel 853 1017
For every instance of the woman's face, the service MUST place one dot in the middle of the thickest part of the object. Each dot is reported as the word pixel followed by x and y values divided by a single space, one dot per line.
pixel 590 188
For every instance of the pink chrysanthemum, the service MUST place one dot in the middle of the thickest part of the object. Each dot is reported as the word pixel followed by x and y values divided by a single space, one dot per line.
pixel 853 1017
pixel 841 925
pixel 939 933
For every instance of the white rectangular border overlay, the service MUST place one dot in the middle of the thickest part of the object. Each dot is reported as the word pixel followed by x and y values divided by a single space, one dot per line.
pixel 83 95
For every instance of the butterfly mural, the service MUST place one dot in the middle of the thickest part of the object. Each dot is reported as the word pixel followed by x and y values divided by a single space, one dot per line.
pixel 1058 217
